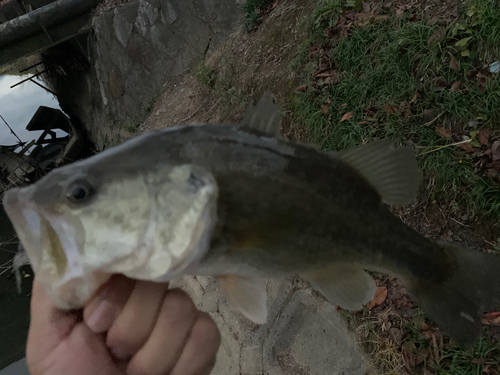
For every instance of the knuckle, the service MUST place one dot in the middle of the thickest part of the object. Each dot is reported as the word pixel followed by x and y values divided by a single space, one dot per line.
pixel 121 343
pixel 140 368
pixel 205 330
pixel 178 301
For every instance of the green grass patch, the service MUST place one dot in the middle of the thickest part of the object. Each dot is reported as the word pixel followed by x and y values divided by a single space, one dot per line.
pixel 251 9
pixel 383 65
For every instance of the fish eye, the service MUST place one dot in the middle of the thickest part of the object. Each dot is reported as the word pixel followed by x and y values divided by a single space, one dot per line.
pixel 79 193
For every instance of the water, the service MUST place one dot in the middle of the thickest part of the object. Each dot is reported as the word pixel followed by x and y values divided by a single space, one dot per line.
pixel 18 105
pixel 14 307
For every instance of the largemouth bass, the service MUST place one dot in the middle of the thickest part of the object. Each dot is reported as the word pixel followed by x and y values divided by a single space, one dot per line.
pixel 241 203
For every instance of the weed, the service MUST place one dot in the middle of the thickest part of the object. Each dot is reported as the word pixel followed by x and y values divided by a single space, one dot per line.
pixel 148 106
pixel 132 128
pixel 205 75
pixel 251 9
pixel 457 360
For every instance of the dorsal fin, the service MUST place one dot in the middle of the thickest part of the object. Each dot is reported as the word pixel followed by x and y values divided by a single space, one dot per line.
pixel 391 170
pixel 264 119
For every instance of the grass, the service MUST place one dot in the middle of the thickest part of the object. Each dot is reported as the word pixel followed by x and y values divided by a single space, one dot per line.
pixel 388 358
pixel 387 63
pixel 384 67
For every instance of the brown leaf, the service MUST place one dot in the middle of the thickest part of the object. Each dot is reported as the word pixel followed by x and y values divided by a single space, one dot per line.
pixel 478 361
pixel 483 137
pixel 441 83
pixel 454 63
pixel 327 73
pixel 467 147
pixel 456 86
pixel 495 165
pixel 492 315
pixel 415 97
pixel 324 108
pixel 492 172
pixel 495 151
pixel 425 327
pixel 378 19
pixel 342 106
pixel 380 296
pixel 390 109
pixel 443 131
pixel 437 37
pixel 428 116
pixel 302 88
pixel 396 335
pixel 347 116
pixel 409 359
pixel 364 122
pixel 405 109
pixel 275 4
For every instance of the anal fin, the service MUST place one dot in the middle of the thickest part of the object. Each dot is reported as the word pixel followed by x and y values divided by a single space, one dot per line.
pixel 343 284
pixel 246 294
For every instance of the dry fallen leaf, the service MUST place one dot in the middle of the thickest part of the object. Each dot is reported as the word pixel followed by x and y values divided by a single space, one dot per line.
pixel 478 361
pixel 342 106
pixel 302 88
pixel 380 296
pixel 467 147
pixel 324 108
pixel 390 109
pixel 347 116
pixel 405 109
pixel 495 151
pixel 428 116
pixel 415 97
pixel 492 172
pixel 455 86
pixel 327 73
pixel 443 131
pixel 396 335
pixel 483 137
pixel 437 37
pixel 454 63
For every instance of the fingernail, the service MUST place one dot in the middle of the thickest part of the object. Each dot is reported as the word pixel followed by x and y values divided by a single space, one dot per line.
pixel 102 317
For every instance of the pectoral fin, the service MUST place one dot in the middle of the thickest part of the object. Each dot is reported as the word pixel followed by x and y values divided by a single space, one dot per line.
pixel 248 295
pixel 342 284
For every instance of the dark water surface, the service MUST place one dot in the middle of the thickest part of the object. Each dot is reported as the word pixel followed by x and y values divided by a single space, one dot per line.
pixel 14 307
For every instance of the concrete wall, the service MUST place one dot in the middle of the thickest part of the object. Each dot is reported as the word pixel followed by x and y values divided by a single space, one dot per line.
pixel 134 50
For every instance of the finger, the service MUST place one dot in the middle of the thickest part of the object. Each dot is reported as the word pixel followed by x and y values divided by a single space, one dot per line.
pixel 136 321
pixel 198 357
pixel 163 348
pixel 49 325
pixel 106 304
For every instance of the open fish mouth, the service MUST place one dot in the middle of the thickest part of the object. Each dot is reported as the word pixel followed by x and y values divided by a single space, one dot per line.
pixel 53 251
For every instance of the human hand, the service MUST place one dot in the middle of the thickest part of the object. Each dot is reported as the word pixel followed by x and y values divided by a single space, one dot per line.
pixel 128 328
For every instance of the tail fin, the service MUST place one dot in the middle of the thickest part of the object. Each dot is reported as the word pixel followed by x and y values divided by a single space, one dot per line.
pixel 472 288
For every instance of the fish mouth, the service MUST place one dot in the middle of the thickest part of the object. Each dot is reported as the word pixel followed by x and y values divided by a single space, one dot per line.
pixel 53 251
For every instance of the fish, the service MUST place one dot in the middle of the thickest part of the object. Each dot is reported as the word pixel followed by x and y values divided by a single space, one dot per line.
pixel 242 203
